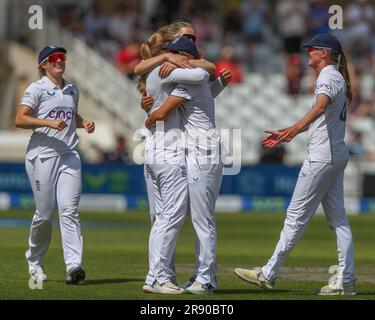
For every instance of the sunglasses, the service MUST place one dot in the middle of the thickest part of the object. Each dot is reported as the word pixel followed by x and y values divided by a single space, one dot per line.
pixel 190 36
pixel 56 57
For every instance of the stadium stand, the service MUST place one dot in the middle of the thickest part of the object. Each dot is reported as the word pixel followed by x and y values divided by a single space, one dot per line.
pixel 257 103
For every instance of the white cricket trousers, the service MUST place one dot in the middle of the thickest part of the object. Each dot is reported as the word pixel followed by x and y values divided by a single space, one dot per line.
pixel 205 177
pixel 151 186
pixel 55 180
pixel 170 201
pixel 317 183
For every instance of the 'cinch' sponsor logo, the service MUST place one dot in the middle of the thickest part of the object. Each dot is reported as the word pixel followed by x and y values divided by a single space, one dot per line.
pixel 61 114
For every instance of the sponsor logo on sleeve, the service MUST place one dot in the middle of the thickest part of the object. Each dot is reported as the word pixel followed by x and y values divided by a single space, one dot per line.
pixel 325 87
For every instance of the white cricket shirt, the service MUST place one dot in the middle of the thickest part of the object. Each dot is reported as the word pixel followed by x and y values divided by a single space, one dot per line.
pixel 48 101
pixel 198 116
pixel 164 142
pixel 326 134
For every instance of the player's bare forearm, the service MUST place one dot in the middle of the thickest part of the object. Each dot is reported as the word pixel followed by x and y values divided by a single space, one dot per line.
pixel 79 121
pixel 163 112
pixel 204 64
pixel 147 65
pixel 314 113
pixel 25 120
pixel 30 122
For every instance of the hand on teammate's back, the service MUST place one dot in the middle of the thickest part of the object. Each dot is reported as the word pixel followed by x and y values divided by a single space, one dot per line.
pixel 147 102
pixel 165 69
pixel 226 76
pixel 59 125
pixel 179 60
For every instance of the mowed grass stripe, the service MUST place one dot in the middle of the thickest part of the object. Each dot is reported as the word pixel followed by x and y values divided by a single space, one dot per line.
pixel 116 258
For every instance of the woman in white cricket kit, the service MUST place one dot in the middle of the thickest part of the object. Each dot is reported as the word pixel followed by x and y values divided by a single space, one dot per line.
pixel 49 107
pixel 204 165
pixel 321 177
pixel 166 63
pixel 165 172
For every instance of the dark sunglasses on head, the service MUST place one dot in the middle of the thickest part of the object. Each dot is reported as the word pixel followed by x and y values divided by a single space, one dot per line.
pixel 190 36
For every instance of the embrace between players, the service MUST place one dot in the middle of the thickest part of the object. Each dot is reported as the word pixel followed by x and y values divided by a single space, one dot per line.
pixel 183 172
pixel 184 161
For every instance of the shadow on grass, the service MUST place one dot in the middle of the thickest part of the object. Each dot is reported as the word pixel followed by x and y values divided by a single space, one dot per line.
pixel 109 281
pixel 250 291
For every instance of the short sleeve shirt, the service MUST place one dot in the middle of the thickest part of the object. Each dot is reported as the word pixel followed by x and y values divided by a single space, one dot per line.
pixel 48 101
pixel 326 134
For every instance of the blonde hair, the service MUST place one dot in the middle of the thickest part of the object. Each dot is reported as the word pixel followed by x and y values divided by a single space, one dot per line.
pixel 151 48
pixel 176 26
pixel 42 71
pixel 154 45
pixel 339 59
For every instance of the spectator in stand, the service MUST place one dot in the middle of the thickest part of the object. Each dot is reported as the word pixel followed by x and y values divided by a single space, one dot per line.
pixel 122 23
pixel 120 154
pixel 272 156
pixel 361 54
pixel 294 73
pixel 291 18
pixel 356 146
pixel 359 20
pixel 254 17
pixel 96 25
pixel 319 17
pixel 228 61
pixel 127 58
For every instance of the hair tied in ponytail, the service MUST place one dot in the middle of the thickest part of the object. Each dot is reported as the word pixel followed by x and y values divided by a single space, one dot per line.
pixel 339 59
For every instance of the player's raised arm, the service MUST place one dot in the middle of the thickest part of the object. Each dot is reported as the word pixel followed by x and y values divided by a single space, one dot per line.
pixel 314 113
pixel 147 65
pixel 204 64
pixel 218 85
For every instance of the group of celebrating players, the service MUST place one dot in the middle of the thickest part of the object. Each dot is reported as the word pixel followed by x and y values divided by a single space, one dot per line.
pixel 184 160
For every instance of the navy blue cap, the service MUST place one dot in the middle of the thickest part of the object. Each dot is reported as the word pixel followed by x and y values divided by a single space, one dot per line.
pixel 48 50
pixel 324 41
pixel 183 44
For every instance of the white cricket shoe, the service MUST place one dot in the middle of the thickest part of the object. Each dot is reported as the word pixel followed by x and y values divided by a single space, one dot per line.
pixel 148 288
pixel 188 283
pixel 166 288
pixel 336 286
pixel 255 276
pixel 199 288
pixel 38 274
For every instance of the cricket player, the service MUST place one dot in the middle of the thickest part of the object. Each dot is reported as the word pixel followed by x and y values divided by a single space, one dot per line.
pixel 49 107
pixel 322 174
pixel 168 61
pixel 166 167
pixel 204 165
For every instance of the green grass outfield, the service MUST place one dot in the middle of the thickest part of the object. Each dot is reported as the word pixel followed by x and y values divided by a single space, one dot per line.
pixel 115 248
